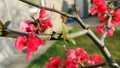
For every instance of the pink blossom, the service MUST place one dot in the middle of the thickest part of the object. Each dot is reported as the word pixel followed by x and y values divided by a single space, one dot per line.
pixel 91 62
pixel 20 42
pixel 82 55
pixel 114 23
pixel 32 44
pixel 43 13
pixel 93 10
pixel 111 31
pixel 45 24
pixel 71 55
pixel 54 63
pixel 27 26
pixel 79 55
pixel 70 64
pixel 101 28
pixel 99 6
pixel 44 19
pixel 99 2
pixel 116 17
pixel 103 17
pixel 95 59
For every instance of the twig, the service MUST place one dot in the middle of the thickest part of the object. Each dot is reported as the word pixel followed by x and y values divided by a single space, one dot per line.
pixel 50 9
pixel 77 9
pixel 15 34
pixel 97 65
pixel 79 33
pixel 107 29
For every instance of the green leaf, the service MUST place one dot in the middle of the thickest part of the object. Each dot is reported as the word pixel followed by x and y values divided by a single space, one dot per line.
pixel 1 33
pixel 65 42
pixel 56 36
pixel 70 40
pixel 66 15
pixel 64 29
pixel 7 24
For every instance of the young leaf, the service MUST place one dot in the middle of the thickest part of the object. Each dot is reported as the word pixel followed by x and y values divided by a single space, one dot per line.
pixel 56 36
pixel 7 24
pixel 64 29
pixel 70 40
pixel 65 41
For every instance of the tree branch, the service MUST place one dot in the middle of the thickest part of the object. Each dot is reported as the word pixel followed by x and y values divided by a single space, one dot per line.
pixel 107 29
pixel 50 9
pixel 97 65
pixel 79 33
pixel 15 34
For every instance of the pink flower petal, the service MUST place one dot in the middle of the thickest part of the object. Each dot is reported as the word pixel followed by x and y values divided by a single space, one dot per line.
pixel 43 13
pixel 27 26
pixel 24 25
pixel 111 31
pixel 54 63
pixel 31 36
pixel 100 29
pixel 97 7
pixel 97 58
pixel 34 41
pixel 116 15
pixel 28 55
pixel 71 55
pixel 90 62
pixel 93 10
pixel 20 42
pixel 70 64
pixel 32 44
pixel 82 55
pixel 46 23
pixel 103 17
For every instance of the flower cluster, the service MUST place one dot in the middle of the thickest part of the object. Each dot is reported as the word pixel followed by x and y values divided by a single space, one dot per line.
pixel 101 28
pixel 54 63
pixel 104 12
pixel 78 55
pixel 27 26
pixel 74 58
pixel 40 24
pixel 44 19
pixel 31 43
pixel 96 8
pixel 94 59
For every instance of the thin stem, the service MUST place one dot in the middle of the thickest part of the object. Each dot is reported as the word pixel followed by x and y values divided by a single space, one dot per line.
pixel 97 65
pixel 75 4
pixel 78 33
pixel 107 29
pixel 50 9
pixel 104 35
pixel 15 34
pixel 77 9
